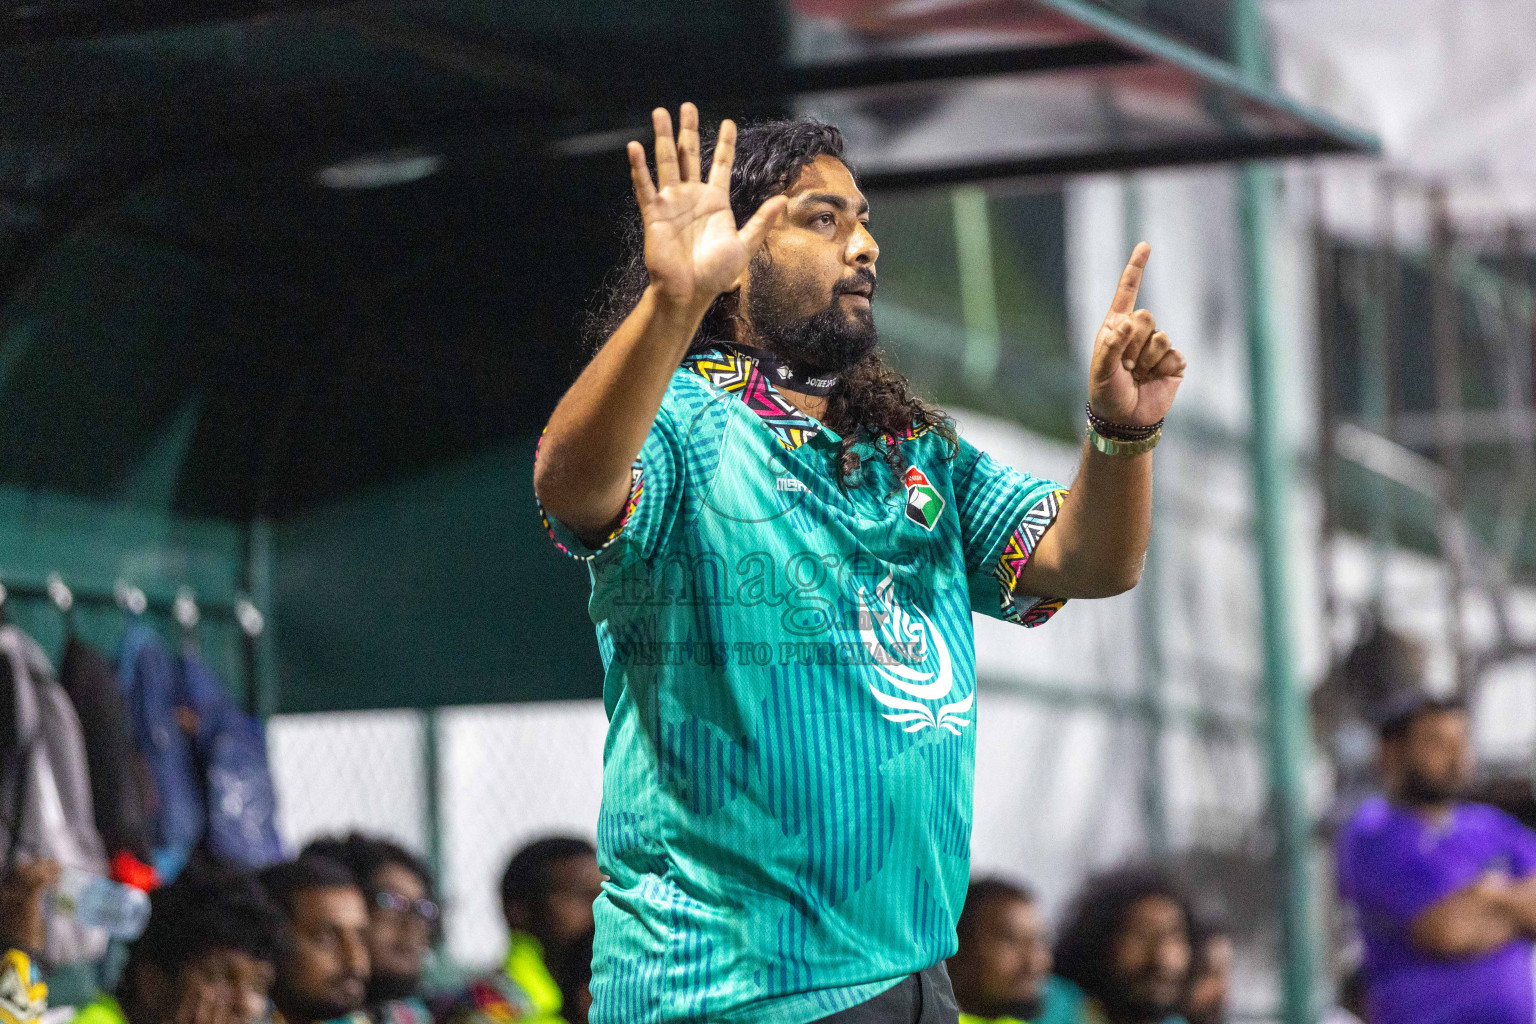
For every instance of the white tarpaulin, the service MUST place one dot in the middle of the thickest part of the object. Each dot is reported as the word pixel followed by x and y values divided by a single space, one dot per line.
pixel 1448 85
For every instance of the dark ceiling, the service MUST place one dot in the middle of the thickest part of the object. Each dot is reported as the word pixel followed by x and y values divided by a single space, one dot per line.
pixel 185 298
pixel 190 319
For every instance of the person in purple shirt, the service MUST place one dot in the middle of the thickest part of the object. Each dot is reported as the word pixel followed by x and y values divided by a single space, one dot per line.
pixel 1444 891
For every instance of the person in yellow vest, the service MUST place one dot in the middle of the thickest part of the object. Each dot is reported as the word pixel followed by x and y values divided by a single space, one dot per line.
pixel 23 932
pixel 207 956
pixel 1001 972
pixel 547 894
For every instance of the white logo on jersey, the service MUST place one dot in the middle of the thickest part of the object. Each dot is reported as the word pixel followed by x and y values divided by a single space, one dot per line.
pixel 897 642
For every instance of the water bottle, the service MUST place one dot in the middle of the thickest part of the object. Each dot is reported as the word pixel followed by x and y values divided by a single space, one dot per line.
pixel 98 902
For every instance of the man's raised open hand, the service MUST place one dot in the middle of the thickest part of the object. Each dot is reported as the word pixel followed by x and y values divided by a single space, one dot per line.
pixel 1135 371
pixel 693 249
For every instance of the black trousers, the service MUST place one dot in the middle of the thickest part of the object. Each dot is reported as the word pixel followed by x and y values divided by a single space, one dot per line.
pixel 921 998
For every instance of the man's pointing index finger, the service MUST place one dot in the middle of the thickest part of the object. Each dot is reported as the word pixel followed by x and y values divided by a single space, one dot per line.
pixel 1130 281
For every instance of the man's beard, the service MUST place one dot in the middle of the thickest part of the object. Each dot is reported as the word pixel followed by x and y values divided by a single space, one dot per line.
pixel 829 341
pixel 383 987
pixel 1121 1005
pixel 298 1007
pixel 1420 790
pixel 1143 1010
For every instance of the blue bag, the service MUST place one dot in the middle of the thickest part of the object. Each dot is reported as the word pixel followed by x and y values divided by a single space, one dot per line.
pixel 232 754
pixel 151 686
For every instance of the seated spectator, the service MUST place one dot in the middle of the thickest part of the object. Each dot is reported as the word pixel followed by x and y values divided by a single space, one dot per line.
pixel 1125 943
pixel 323 973
pixel 575 980
pixel 23 934
pixel 404 920
pixel 1002 971
pixel 547 894
pixel 1444 891
pixel 207 956
pixel 1210 978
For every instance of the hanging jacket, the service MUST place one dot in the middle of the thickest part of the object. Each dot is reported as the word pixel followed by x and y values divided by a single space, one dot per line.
pixel 119 776
pixel 231 748
pixel 45 791
pixel 150 681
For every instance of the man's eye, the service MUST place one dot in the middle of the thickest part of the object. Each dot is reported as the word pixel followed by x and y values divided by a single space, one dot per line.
pixel 825 218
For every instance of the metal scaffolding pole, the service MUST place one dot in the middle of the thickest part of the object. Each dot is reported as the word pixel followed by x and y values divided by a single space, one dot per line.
pixel 1325 278
pixel 432 786
pixel 1285 721
pixel 1445 330
pixel 1154 796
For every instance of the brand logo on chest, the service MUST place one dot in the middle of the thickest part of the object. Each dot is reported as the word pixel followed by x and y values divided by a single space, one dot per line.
pixel 924 503
pixel 909 654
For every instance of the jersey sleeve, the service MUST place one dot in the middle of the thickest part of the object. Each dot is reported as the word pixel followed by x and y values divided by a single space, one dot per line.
pixel 1003 515
pixel 655 480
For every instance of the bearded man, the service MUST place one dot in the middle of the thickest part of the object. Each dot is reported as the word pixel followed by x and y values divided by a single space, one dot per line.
pixel 785 547
pixel 1443 889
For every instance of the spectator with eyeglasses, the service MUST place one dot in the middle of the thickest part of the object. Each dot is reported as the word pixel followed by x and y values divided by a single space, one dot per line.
pixel 404 920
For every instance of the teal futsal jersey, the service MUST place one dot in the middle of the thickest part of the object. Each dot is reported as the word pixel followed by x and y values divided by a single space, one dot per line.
pixel 790 687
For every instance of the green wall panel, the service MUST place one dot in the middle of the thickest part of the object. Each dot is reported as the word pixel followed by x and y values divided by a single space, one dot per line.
pixel 91 544
pixel 441 589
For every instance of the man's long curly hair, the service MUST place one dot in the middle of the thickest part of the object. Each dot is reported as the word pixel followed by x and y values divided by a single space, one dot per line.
pixel 872 401
pixel 1084 952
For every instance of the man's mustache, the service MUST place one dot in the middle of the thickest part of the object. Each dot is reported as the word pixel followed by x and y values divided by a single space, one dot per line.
pixel 862 282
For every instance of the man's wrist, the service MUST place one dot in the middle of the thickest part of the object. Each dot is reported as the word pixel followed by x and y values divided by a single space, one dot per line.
pixel 681 310
pixel 1117 431
pixel 1122 449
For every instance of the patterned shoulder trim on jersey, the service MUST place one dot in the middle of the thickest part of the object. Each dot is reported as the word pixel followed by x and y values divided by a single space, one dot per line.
pixel 738 374
pixel 1017 553
pixel 581 552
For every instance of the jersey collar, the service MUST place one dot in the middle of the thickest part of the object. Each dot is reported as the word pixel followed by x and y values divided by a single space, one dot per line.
pixel 737 373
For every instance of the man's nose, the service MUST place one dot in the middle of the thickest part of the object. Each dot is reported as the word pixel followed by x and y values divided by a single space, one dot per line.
pixel 1173 956
pixel 355 956
pixel 863 251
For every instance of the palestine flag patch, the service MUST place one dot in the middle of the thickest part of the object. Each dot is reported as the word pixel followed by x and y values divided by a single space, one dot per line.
pixel 924 503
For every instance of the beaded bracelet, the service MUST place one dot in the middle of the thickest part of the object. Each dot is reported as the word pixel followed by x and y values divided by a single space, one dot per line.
pixel 1119 431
